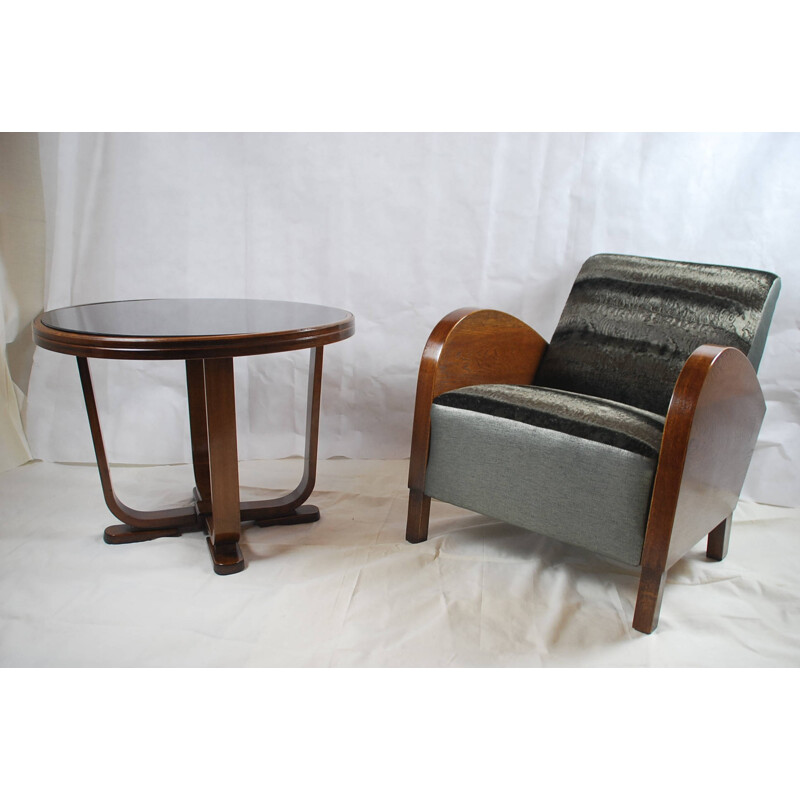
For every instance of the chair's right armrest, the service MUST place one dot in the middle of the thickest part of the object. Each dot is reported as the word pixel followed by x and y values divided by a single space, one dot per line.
pixel 709 436
pixel 469 346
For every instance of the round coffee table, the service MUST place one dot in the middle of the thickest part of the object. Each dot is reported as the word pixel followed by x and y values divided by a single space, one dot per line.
pixel 208 335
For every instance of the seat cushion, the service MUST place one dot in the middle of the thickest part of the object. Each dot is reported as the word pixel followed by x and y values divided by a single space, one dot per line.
pixel 574 468
pixel 577 414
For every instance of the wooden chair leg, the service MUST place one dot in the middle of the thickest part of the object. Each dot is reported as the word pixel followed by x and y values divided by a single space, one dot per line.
pixel 419 510
pixel 648 601
pixel 718 540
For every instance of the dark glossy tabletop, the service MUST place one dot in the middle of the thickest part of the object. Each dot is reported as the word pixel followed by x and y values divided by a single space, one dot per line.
pixel 182 328
pixel 201 317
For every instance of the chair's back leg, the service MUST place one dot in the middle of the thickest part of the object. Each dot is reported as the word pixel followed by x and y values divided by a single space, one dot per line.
pixel 718 539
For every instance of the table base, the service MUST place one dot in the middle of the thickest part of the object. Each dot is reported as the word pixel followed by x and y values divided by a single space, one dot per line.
pixel 217 509
pixel 125 534
pixel 226 559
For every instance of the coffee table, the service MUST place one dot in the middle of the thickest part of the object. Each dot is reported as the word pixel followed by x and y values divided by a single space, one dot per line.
pixel 208 335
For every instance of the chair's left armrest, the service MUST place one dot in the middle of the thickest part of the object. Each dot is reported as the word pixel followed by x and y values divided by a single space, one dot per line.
pixel 710 433
pixel 469 346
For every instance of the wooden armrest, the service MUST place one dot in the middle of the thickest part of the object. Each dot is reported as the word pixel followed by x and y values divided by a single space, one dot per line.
pixel 469 346
pixel 709 436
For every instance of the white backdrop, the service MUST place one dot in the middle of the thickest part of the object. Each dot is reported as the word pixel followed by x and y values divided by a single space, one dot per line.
pixel 399 229
pixel 14 450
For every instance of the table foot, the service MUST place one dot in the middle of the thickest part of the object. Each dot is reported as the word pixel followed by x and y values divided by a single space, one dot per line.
pixel 297 517
pixel 125 534
pixel 226 558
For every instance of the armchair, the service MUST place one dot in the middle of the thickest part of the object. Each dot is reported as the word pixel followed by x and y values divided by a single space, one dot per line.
pixel 629 434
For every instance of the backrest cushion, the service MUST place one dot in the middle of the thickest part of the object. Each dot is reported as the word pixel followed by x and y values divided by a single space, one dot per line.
pixel 630 323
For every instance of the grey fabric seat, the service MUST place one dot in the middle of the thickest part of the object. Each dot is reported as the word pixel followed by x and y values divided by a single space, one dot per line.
pixel 580 415
pixel 567 439
pixel 511 433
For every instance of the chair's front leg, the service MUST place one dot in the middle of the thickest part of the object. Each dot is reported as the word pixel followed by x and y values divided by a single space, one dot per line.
pixel 648 599
pixel 468 347
pixel 419 513
pixel 654 576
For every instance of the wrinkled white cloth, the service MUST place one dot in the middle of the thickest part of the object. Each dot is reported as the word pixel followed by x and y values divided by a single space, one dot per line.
pixel 13 443
pixel 400 229
pixel 348 590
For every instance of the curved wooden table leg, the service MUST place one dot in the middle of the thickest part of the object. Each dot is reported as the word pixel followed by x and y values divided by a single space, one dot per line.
pixel 224 523
pixel 140 526
pixel 288 510
pixel 198 427
pixel 212 420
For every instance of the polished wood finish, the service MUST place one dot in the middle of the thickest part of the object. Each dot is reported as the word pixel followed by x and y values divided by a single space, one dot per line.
pixel 224 524
pixel 212 417
pixel 198 428
pixel 285 510
pixel 719 539
pixel 333 325
pixel 288 510
pixel 139 526
pixel 468 347
pixel 709 436
pixel 419 514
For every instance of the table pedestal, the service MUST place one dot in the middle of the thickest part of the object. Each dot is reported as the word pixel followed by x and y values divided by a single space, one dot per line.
pixel 217 509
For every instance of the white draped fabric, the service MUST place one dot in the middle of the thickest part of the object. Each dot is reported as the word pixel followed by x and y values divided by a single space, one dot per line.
pixel 347 591
pixel 399 229
pixel 14 450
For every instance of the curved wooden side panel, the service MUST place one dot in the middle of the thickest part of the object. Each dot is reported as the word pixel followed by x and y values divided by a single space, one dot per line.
pixel 469 346
pixel 709 436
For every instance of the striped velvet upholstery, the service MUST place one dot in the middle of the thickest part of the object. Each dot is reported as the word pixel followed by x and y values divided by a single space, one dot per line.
pixel 630 323
pixel 591 418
